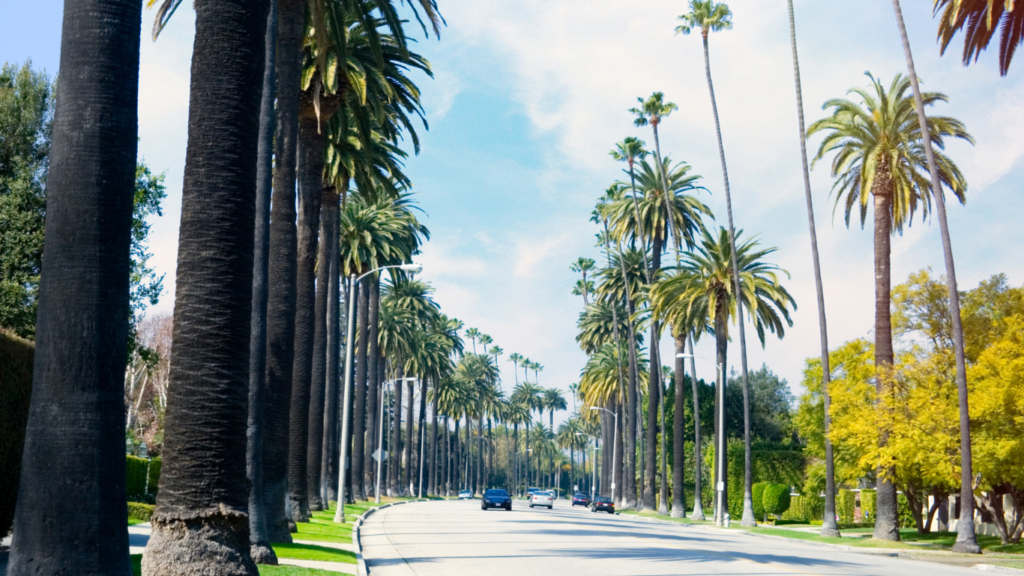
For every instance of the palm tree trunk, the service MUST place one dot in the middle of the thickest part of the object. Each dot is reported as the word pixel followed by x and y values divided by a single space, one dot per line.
pixel 260 549
pixel 651 447
pixel 281 269
pixel 748 499
pixel 887 515
pixel 828 527
pixel 421 454
pixel 678 436
pixel 394 478
pixel 432 487
pixel 310 178
pixel 721 448
pixel 490 456
pixel 317 388
pixel 407 469
pixel 966 539
pixel 618 452
pixel 328 471
pixel 630 488
pixel 373 360
pixel 200 523
pixel 663 489
pixel 72 488
pixel 362 374
pixel 698 507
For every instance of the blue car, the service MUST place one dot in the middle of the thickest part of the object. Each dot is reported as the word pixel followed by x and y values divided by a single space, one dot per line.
pixel 496 498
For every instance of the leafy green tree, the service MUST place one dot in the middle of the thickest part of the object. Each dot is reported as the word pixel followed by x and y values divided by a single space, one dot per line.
pixel 880 155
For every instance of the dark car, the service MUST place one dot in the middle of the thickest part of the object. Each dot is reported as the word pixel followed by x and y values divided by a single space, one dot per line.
pixel 580 499
pixel 496 498
pixel 603 504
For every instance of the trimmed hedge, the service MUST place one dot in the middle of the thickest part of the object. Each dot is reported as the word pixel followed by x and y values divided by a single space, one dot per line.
pixel 776 499
pixel 140 511
pixel 805 509
pixel 154 475
pixel 16 358
pixel 845 505
pixel 137 471
pixel 867 504
pixel 905 515
pixel 758 493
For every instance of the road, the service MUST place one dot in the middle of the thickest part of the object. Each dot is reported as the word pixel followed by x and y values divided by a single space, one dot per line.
pixel 445 538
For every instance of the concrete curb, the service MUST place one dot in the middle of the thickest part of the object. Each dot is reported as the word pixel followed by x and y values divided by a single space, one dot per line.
pixel 361 567
pixel 997 569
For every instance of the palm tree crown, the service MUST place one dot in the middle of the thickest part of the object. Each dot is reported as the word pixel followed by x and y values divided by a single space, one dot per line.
pixel 707 15
pixel 981 19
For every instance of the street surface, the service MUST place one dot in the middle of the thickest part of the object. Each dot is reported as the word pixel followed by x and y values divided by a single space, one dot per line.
pixel 456 538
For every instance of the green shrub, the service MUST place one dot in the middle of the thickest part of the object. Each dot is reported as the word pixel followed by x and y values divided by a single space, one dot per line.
pixel 140 511
pixel 776 499
pixel 16 358
pixel 805 509
pixel 867 504
pixel 845 505
pixel 905 516
pixel 758 493
pixel 137 470
pixel 154 475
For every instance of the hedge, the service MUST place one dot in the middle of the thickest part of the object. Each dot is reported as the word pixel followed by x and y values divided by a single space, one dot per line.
pixel 772 462
pixel 805 509
pixel 867 504
pixel 154 475
pixel 758 493
pixel 776 499
pixel 905 515
pixel 845 505
pixel 16 358
pixel 137 471
pixel 140 511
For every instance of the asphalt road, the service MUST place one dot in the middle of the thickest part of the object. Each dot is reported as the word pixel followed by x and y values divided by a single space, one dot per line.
pixel 446 538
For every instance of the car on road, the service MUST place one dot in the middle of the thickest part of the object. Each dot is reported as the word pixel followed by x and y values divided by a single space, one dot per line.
pixel 542 498
pixel 603 504
pixel 580 499
pixel 530 492
pixel 465 495
pixel 496 498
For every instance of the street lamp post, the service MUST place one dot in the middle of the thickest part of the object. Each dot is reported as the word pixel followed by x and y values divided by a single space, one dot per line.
pixel 720 451
pixel 339 515
pixel 380 443
pixel 614 446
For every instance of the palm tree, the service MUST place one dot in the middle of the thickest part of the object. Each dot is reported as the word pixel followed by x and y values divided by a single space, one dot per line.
pixel 204 474
pixel 981 18
pixel 702 292
pixel 553 400
pixel 473 334
pixel 516 413
pixel 527 394
pixel 583 287
pixel 515 358
pixel 711 16
pixel 828 527
pixel 652 111
pixel 880 153
pixel 82 321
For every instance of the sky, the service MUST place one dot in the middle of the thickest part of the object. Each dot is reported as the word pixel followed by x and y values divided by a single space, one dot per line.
pixel 528 97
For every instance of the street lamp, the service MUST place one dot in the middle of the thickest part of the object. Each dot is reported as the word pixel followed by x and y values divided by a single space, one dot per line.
pixel 720 456
pixel 614 446
pixel 339 515
pixel 380 443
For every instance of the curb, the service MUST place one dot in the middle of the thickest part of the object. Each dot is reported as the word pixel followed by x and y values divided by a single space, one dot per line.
pixel 361 567
pixel 997 569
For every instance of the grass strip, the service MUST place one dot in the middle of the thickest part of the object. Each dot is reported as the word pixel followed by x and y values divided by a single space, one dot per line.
pixel 264 570
pixel 311 552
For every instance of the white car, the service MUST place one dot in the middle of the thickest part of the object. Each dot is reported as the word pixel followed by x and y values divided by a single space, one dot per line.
pixel 465 495
pixel 542 498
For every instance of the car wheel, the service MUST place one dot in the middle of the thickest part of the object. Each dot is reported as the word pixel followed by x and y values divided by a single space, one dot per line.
pixel 550 507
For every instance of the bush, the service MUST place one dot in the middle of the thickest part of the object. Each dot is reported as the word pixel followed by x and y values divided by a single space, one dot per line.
pixel 758 492
pixel 153 483
pixel 137 471
pixel 905 516
pixel 16 358
pixel 776 499
pixel 845 505
pixel 140 511
pixel 867 504
pixel 805 509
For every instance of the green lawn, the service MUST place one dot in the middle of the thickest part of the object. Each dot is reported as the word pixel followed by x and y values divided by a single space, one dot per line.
pixel 910 540
pixel 134 521
pixel 659 517
pixel 310 552
pixel 264 570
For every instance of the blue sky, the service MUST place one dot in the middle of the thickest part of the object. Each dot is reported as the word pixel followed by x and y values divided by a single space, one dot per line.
pixel 530 95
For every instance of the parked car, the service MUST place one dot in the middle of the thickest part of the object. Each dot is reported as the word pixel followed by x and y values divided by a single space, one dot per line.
pixel 580 499
pixel 465 495
pixel 542 498
pixel 603 504
pixel 496 498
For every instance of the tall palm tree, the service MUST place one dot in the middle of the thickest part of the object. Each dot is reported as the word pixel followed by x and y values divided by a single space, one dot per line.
pixel 553 400
pixel 966 540
pixel 527 394
pixel 203 477
pixel 880 154
pixel 515 358
pixel 711 16
pixel 981 18
pixel 828 527
pixel 473 334
pixel 583 287
pixel 702 292
pixel 76 416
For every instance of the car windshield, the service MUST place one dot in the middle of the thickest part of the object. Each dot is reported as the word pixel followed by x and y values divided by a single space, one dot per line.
pixel 495 493
pixel 604 499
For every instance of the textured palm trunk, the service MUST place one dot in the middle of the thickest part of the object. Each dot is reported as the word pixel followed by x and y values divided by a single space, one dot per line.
pixel 748 499
pixel 828 527
pixel 260 549
pixel 394 478
pixel 362 374
pixel 71 513
pixel 651 444
pixel 618 452
pixel 721 449
pixel 966 539
pixel 629 500
pixel 310 178
pixel 373 378
pixel 456 475
pixel 407 449
pixel 698 506
pixel 478 444
pixel 421 447
pixel 432 485
pixel 201 523
pixel 281 270
pixel 887 516
pixel 678 436
pixel 318 384
pixel 328 470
